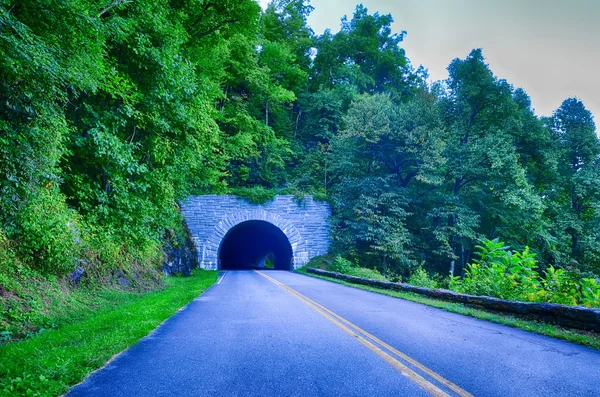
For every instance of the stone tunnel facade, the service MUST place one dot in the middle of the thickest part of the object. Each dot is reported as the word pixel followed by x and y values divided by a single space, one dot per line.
pixel 210 217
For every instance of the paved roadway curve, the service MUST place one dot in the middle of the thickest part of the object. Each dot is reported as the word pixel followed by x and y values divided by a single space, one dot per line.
pixel 284 334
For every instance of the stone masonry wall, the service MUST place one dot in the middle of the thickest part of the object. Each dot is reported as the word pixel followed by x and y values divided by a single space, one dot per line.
pixel 210 217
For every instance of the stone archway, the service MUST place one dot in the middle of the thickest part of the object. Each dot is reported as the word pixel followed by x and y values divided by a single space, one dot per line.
pixel 210 251
pixel 248 244
pixel 210 217
pixel 230 222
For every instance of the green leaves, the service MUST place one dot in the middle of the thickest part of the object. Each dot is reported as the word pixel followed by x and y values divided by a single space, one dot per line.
pixel 110 108
pixel 504 274
pixel 49 233
pixel 364 53
pixel 112 112
pixel 577 182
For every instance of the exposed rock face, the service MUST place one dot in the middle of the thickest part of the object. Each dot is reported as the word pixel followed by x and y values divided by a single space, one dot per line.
pixel 568 316
pixel 79 271
pixel 123 282
pixel 77 274
pixel 180 256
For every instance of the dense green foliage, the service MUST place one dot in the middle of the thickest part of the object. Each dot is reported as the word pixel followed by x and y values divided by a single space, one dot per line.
pixel 424 180
pixel 32 303
pixel 112 112
pixel 101 325
pixel 500 273
pixel 340 264
pixel 497 272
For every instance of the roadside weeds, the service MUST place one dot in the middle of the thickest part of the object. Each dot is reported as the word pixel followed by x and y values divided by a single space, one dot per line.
pixel 589 339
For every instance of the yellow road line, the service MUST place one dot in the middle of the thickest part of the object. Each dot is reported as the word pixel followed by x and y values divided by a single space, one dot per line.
pixel 457 389
pixel 415 377
pixel 355 331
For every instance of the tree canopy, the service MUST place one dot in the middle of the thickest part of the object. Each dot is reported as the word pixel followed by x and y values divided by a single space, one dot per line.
pixel 112 112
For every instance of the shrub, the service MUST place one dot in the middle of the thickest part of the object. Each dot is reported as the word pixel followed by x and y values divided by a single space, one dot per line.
pixel 503 274
pixel 342 265
pixel 512 275
pixel 322 262
pixel 590 292
pixel 256 194
pixel 420 278
pixel 345 266
pixel 270 262
pixel 560 286
pixel 48 235
pixel 365 272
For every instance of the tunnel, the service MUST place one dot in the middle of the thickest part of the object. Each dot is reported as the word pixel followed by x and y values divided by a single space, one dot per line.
pixel 248 244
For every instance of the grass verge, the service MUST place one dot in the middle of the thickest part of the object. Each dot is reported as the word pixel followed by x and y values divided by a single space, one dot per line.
pixel 49 363
pixel 589 339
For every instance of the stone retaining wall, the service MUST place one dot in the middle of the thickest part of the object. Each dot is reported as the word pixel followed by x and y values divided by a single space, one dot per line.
pixel 568 316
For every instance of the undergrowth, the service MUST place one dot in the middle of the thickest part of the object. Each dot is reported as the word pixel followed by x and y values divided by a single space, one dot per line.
pixel 497 272
pixel 94 327
pixel 342 265
pixel 262 195
pixel 32 302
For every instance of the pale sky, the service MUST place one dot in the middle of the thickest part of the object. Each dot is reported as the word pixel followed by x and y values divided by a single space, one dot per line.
pixel 550 48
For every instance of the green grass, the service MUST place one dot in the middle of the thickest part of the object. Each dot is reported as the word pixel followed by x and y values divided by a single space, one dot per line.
pixel 589 339
pixel 363 272
pixel 49 363
pixel 328 262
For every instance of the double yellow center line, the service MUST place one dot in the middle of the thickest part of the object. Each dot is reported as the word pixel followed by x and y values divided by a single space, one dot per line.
pixel 371 342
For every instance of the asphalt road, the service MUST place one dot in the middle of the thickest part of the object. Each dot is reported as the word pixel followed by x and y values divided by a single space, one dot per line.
pixel 278 333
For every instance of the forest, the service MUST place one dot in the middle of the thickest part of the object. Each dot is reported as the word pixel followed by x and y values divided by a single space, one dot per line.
pixel 113 111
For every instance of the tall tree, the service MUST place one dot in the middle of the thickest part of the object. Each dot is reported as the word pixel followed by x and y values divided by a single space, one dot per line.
pixel 579 182
pixel 285 21
pixel 486 182
pixel 383 151
pixel 365 54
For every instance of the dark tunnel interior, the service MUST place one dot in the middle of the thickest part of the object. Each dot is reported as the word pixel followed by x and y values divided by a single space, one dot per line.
pixel 247 245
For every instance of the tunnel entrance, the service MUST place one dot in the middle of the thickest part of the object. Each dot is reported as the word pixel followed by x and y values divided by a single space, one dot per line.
pixel 251 244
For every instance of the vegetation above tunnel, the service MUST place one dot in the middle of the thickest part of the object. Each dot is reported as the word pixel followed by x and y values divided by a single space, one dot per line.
pixel 112 113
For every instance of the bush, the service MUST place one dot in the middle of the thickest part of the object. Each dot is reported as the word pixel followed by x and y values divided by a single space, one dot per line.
pixel 420 278
pixel 590 292
pixel 345 266
pixel 48 235
pixel 256 194
pixel 365 272
pixel 342 265
pixel 510 275
pixel 560 286
pixel 502 274
pixel 322 262
pixel 270 262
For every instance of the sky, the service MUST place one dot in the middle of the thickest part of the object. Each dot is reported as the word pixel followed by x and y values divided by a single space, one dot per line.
pixel 550 48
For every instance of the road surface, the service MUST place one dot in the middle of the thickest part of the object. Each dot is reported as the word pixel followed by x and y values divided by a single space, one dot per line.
pixel 276 333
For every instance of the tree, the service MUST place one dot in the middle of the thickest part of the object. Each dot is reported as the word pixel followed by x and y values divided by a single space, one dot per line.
pixel 383 151
pixel 107 120
pixel 487 185
pixel 364 54
pixel 285 22
pixel 578 190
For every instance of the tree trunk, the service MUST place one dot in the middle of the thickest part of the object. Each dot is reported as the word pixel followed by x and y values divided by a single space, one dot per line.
pixel 297 121
pixel 325 176
pixel 267 114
